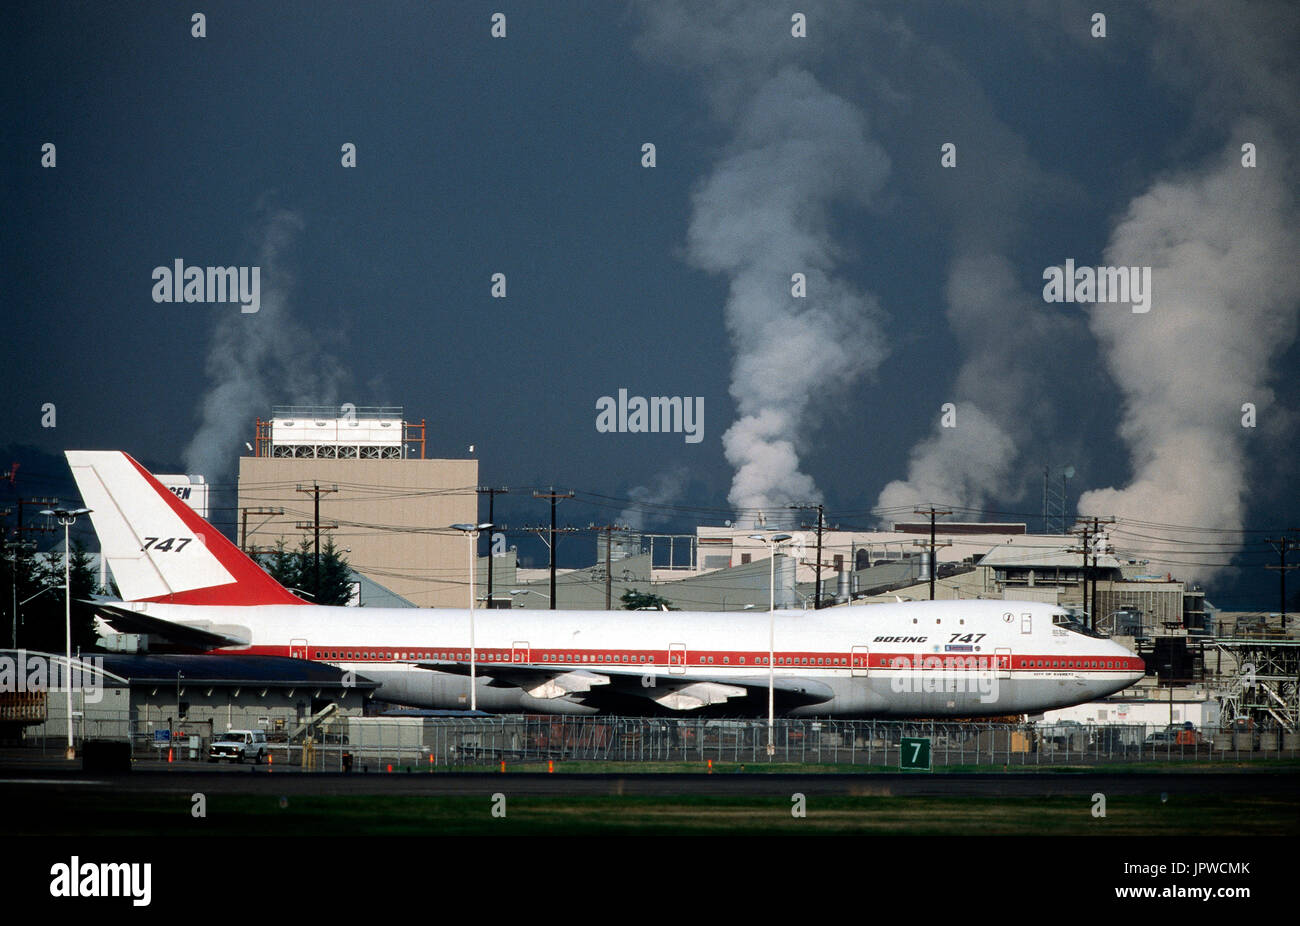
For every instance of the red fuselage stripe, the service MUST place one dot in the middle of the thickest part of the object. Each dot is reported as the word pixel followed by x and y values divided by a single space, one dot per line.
pixel 707 659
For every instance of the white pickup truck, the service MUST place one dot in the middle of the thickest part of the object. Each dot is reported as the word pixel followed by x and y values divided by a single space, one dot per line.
pixel 238 745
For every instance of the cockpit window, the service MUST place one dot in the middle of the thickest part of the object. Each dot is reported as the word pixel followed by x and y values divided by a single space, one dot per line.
pixel 1066 621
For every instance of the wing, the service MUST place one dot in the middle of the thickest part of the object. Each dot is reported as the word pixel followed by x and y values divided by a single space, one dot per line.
pixel 202 634
pixel 671 692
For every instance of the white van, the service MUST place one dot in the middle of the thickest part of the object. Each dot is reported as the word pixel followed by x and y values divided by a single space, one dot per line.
pixel 238 745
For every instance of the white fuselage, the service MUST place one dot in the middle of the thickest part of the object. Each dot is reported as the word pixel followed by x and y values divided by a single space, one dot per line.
pixel 967 658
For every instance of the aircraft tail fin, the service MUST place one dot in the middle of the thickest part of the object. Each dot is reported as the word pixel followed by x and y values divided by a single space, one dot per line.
pixel 158 547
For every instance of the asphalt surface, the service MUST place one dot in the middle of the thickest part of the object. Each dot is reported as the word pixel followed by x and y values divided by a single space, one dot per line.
pixel 262 780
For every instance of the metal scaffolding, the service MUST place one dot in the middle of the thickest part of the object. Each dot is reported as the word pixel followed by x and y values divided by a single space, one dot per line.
pixel 1260 682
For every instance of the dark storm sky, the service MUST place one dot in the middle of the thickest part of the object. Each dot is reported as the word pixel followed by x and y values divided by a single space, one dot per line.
pixel 522 155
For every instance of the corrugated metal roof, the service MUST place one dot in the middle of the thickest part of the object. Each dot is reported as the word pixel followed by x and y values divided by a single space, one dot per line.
pixel 1028 556
pixel 274 671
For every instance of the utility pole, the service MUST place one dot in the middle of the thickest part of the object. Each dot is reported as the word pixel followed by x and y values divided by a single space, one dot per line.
pixel 15 547
pixel 1283 545
pixel 554 497
pixel 1096 539
pixel 821 520
pixel 316 491
pixel 1090 572
pixel 1096 535
pixel 934 559
pixel 13 569
pixel 1084 531
pixel 38 503
pixel 18 544
pixel 609 545
pixel 492 494
pixel 817 588
pixel 243 522
pixel 1090 534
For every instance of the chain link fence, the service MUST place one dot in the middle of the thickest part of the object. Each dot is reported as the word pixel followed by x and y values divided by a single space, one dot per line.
pixel 369 744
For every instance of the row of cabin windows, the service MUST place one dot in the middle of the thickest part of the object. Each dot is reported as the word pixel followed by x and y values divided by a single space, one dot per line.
pixel 505 657
pixel 350 654
pixel 726 660
pixel 709 660
pixel 1070 664
pixel 1037 664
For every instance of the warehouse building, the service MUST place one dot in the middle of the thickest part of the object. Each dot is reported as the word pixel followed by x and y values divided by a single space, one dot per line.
pixel 386 506
pixel 163 699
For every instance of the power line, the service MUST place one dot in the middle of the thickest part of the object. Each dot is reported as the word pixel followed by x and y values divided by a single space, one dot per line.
pixel 821 520
pixel 554 497
pixel 934 559
pixel 492 494
pixel 1283 545
pixel 316 491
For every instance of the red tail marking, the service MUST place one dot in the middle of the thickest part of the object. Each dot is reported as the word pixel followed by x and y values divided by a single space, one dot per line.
pixel 252 585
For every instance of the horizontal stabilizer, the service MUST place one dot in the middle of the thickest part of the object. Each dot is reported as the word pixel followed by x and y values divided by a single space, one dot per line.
pixel 201 634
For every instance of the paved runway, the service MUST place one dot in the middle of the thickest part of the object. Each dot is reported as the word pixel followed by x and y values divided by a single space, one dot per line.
pixel 260 780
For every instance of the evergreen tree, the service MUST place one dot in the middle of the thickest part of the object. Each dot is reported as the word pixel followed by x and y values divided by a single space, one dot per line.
pixel 297 571
pixel 335 577
pixel 19 570
pixel 638 601
pixel 282 565
pixel 42 619
pixel 332 586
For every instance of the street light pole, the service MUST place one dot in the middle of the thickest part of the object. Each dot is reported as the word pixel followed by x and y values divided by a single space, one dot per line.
pixel 471 531
pixel 774 544
pixel 66 517
pixel 527 591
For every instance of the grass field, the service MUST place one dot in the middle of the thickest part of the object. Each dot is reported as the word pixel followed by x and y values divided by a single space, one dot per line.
pixel 50 814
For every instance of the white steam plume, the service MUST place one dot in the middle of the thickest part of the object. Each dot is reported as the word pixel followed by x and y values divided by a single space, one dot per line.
pixel 797 150
pixel 764 214
pixel 759 217
pixel 665 489
pixel 971 458
pixel 1222 242
pixel 1004 390
pixel 259 359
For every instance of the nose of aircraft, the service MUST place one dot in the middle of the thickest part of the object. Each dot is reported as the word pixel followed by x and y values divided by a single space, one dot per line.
pixel 1132 662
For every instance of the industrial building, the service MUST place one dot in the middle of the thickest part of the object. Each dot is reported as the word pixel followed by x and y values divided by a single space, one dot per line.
pixel 360 476
pixel 740 589
pixel 163 699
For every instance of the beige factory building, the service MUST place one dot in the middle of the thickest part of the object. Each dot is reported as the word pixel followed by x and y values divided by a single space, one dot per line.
pixel 380 498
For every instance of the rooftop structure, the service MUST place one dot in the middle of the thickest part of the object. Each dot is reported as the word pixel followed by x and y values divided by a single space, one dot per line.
pixel 345 432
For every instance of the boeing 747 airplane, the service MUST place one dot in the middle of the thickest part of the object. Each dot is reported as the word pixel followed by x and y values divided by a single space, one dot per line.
pixel 181 579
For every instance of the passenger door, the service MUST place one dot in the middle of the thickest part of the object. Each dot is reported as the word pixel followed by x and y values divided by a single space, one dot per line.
pixel 1002 662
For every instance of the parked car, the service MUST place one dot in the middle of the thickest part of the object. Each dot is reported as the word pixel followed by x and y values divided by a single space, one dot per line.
pixel 1060 733
pixel 238 745
pixel 1162 737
